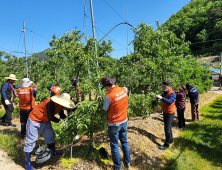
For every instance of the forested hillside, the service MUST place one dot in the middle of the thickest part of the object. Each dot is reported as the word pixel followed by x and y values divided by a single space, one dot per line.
pixel 201 21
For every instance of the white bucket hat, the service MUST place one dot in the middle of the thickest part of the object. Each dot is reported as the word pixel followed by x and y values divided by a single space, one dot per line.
pixel 26 82
pixel 63 100
pixel 11 77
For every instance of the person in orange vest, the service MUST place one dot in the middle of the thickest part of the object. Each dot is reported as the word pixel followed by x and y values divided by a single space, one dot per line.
pixel 26 97
pixel 55 90
pixel 79 94
pixel 116 103
pixel 39 122
pixel 168 98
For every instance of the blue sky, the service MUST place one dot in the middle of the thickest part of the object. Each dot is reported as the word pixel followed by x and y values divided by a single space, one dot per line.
pixel 48 17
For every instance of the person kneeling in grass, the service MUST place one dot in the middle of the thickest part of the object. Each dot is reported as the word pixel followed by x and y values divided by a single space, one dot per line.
pixel 168 107
pixel 39 122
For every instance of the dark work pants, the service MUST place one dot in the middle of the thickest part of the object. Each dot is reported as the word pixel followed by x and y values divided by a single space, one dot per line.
pixel 195 111
pixel 180 115
pixel 24 114
pixel 7 118
pixel 168 119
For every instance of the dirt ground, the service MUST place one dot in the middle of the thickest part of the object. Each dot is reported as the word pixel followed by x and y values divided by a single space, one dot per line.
pixel 144 137
pixel 213 60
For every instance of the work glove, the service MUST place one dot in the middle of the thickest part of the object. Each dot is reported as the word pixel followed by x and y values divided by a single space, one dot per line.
pixel 64 123
pixel 7 102
pixel 159 97
pixel 34 87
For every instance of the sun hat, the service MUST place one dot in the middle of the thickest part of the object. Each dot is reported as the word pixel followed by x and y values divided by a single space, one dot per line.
pixel 64 100
pixel 107 80
pixel 165 83
pixel 43 154
pixel 11 77
pixel 26 82
pixel 49 86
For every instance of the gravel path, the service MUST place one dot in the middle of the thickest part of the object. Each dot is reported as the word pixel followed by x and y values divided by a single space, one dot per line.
pixel 7 164
pixel 215 90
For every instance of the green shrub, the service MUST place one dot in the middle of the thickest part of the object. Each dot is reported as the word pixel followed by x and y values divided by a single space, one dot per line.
pixel 141 105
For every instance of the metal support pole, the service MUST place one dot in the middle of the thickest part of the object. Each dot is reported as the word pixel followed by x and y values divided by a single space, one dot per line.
pixel 85 17
pixel 32 54
pixel 25 48
pixel 127 28
pixel 93 27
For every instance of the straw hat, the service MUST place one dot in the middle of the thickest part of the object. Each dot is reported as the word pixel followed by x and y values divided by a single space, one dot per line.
pixel 26 82
pixel 64 100
pixel 11 77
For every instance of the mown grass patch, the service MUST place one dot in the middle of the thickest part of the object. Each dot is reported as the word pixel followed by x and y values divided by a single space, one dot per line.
pixel 66 162
pixel 200 145
pixel 10 141
pixel 83 156
pixel 2 112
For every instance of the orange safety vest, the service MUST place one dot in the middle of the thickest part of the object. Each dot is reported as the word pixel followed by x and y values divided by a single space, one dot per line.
pixel 26 98
pixel 118 104
pixel 56 90
pixel 168 108
pixel 39 114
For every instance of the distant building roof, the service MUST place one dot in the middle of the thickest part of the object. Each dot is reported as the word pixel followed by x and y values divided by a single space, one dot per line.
pixel 215 70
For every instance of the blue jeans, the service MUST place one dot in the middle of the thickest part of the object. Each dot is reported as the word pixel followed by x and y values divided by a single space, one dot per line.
pixel 119 132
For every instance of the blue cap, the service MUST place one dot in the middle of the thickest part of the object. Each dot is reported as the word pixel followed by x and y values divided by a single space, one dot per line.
pixel 49 86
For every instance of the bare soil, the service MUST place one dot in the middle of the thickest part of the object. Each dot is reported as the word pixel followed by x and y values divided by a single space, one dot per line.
pixel 213 60
pixel 144 137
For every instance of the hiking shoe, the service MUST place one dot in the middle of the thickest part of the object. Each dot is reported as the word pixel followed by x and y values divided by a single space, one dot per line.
pixel 2 122
pixel 127 165
pixel 163 147
pixel 181 129
pixel 170 141
pixel 57 153
pixel 11 124
pixel 115 168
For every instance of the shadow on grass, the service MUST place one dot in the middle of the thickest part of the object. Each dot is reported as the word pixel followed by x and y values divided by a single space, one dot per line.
pixel 206 138
pixel 204 148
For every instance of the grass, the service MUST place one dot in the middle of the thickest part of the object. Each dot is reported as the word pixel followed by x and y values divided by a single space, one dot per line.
pixel 2 112
pixel 200 146
pixel 15 113
pixel 10 141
